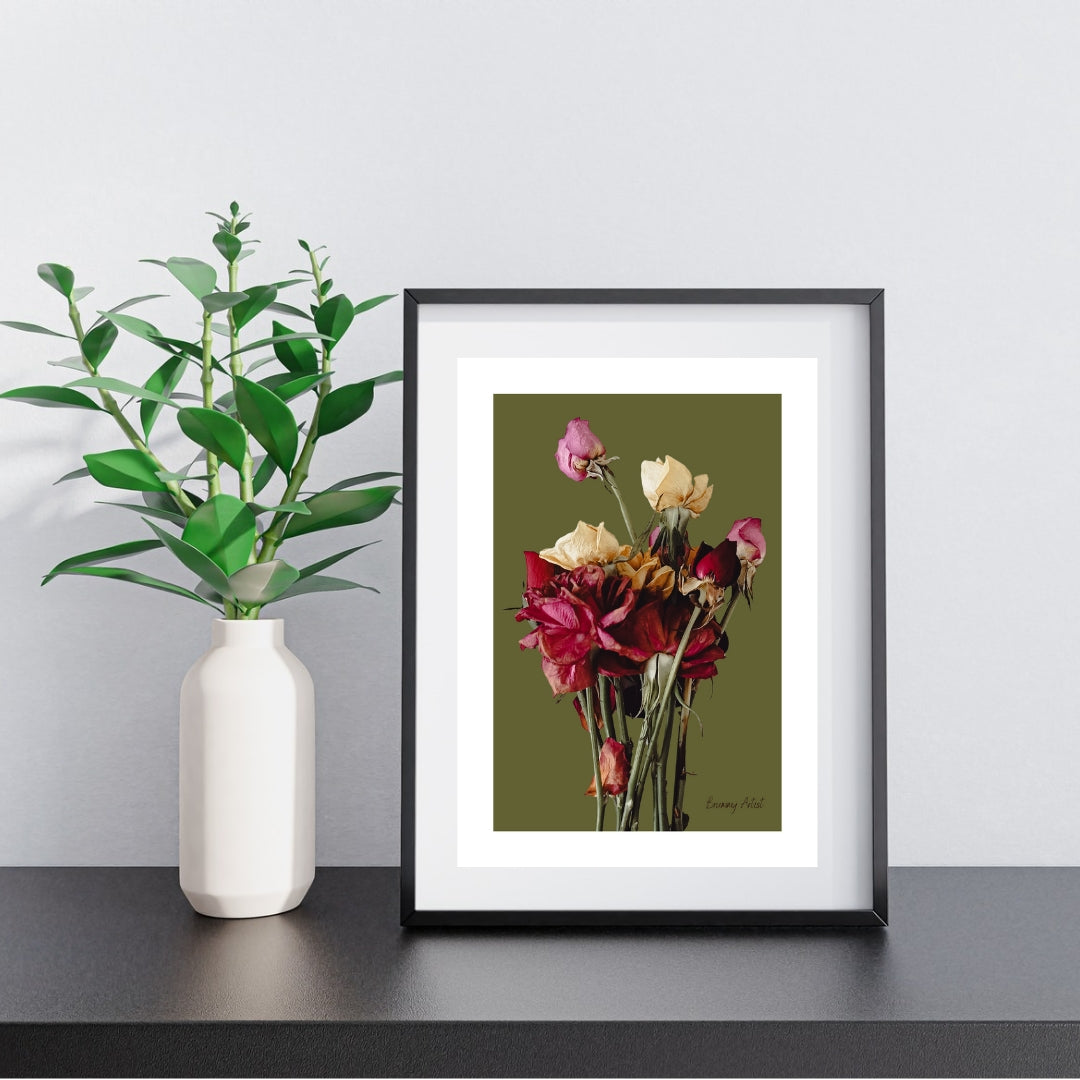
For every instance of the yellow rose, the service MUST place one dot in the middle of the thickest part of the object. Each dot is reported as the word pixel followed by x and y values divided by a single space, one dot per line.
pixel 586 544
pixel 668 484
pixel 647 574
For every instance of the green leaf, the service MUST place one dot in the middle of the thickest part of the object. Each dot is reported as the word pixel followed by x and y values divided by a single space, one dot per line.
pixel 104 382
pixel 224 530
pixel 139 327
pixel 180 477
pixel 287 385
pixel 288 309
pixel 343 406
pixel 98 342
pixel 33 328
pixel 133 301
pixel 51 397
pixel 234 208
pixel 375 301
pixel 222 301
pixel 283 508
pixel 326 286
pixel 198 563
pixel 75 474
pixel 334 317
pixel 388 377
pixel 74 363
pixel 356 481
pixel 131 470
pixel 197 277
pixel 163 382
pixel 259 298
pixel 263 472
pixel 295 353
pixel 304 244
pixel 228 245
pixel 269 420
pixel 81 293
pixel 260 583
pixel 273 341
pixel 92 558
pixel 318 583
pixel 216 432
pixel 322 564
pixel 59 277
pixel 175 518
pixel 334 509
pixel 120 573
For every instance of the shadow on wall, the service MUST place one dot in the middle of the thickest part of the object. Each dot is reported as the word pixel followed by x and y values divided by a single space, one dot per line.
pixel 92 672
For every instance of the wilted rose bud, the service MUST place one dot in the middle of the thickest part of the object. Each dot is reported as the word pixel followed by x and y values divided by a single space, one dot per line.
pixel 720 564
pixel 586 544
pixel 614 769
pixel 750 547
pixel 577 448
pixel 750 540
pixel 668 484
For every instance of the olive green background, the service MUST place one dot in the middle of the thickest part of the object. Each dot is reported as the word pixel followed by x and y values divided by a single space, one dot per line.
pixel 542 755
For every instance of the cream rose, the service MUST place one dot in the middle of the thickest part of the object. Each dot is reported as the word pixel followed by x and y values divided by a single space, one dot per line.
pixel 668 484
pixel 586 544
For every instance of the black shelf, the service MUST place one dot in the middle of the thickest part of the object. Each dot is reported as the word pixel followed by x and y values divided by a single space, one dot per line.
pixel 106 971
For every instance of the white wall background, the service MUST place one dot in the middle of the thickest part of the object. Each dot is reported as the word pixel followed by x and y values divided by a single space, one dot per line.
pixel 926 147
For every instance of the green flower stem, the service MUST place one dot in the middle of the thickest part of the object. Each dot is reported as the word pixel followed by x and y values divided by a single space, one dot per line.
pixel 594 738
pixel 620 716
pixel 729 610
pixel 213 485
pixel 660 815
pixel 613 487
pixel 174 489
pixel 236 366
pixel 633 794
pixel 605 712
pixel 271 539
pixel 678 819
pixel 635 771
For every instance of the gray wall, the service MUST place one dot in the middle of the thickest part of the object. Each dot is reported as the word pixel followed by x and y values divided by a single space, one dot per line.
pixel 929 148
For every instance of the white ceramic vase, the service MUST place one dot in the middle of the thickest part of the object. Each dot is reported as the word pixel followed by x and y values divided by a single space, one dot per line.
pixel 247 774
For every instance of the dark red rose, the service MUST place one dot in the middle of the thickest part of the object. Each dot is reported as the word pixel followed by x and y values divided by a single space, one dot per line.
pixel 573 614
pixel 719 564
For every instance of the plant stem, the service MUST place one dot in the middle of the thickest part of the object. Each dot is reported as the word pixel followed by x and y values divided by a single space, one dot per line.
pixel 594 738
pixel 678 819
pixel 213 485
pixel 660 772
pixel 620 716
pixel 633 792
pixel 174 489
pixel 729 610
pixel 271 539
pixel 236 366
pixel 603 683
pixel 635 771
pixel 613 487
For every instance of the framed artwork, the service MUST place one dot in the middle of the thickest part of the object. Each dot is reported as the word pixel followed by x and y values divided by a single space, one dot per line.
pixel 644 621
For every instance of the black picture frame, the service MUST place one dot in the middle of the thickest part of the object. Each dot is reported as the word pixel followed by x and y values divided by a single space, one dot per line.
pixel 874 916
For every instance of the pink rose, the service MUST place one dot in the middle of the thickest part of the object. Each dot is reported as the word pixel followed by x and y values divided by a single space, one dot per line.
pixel 749 540
pixel 614 769
pixel 750 547
pixel 577 448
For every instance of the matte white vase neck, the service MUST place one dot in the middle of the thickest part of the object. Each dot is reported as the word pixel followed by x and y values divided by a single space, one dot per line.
pixel 247 773
pixel 247 633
